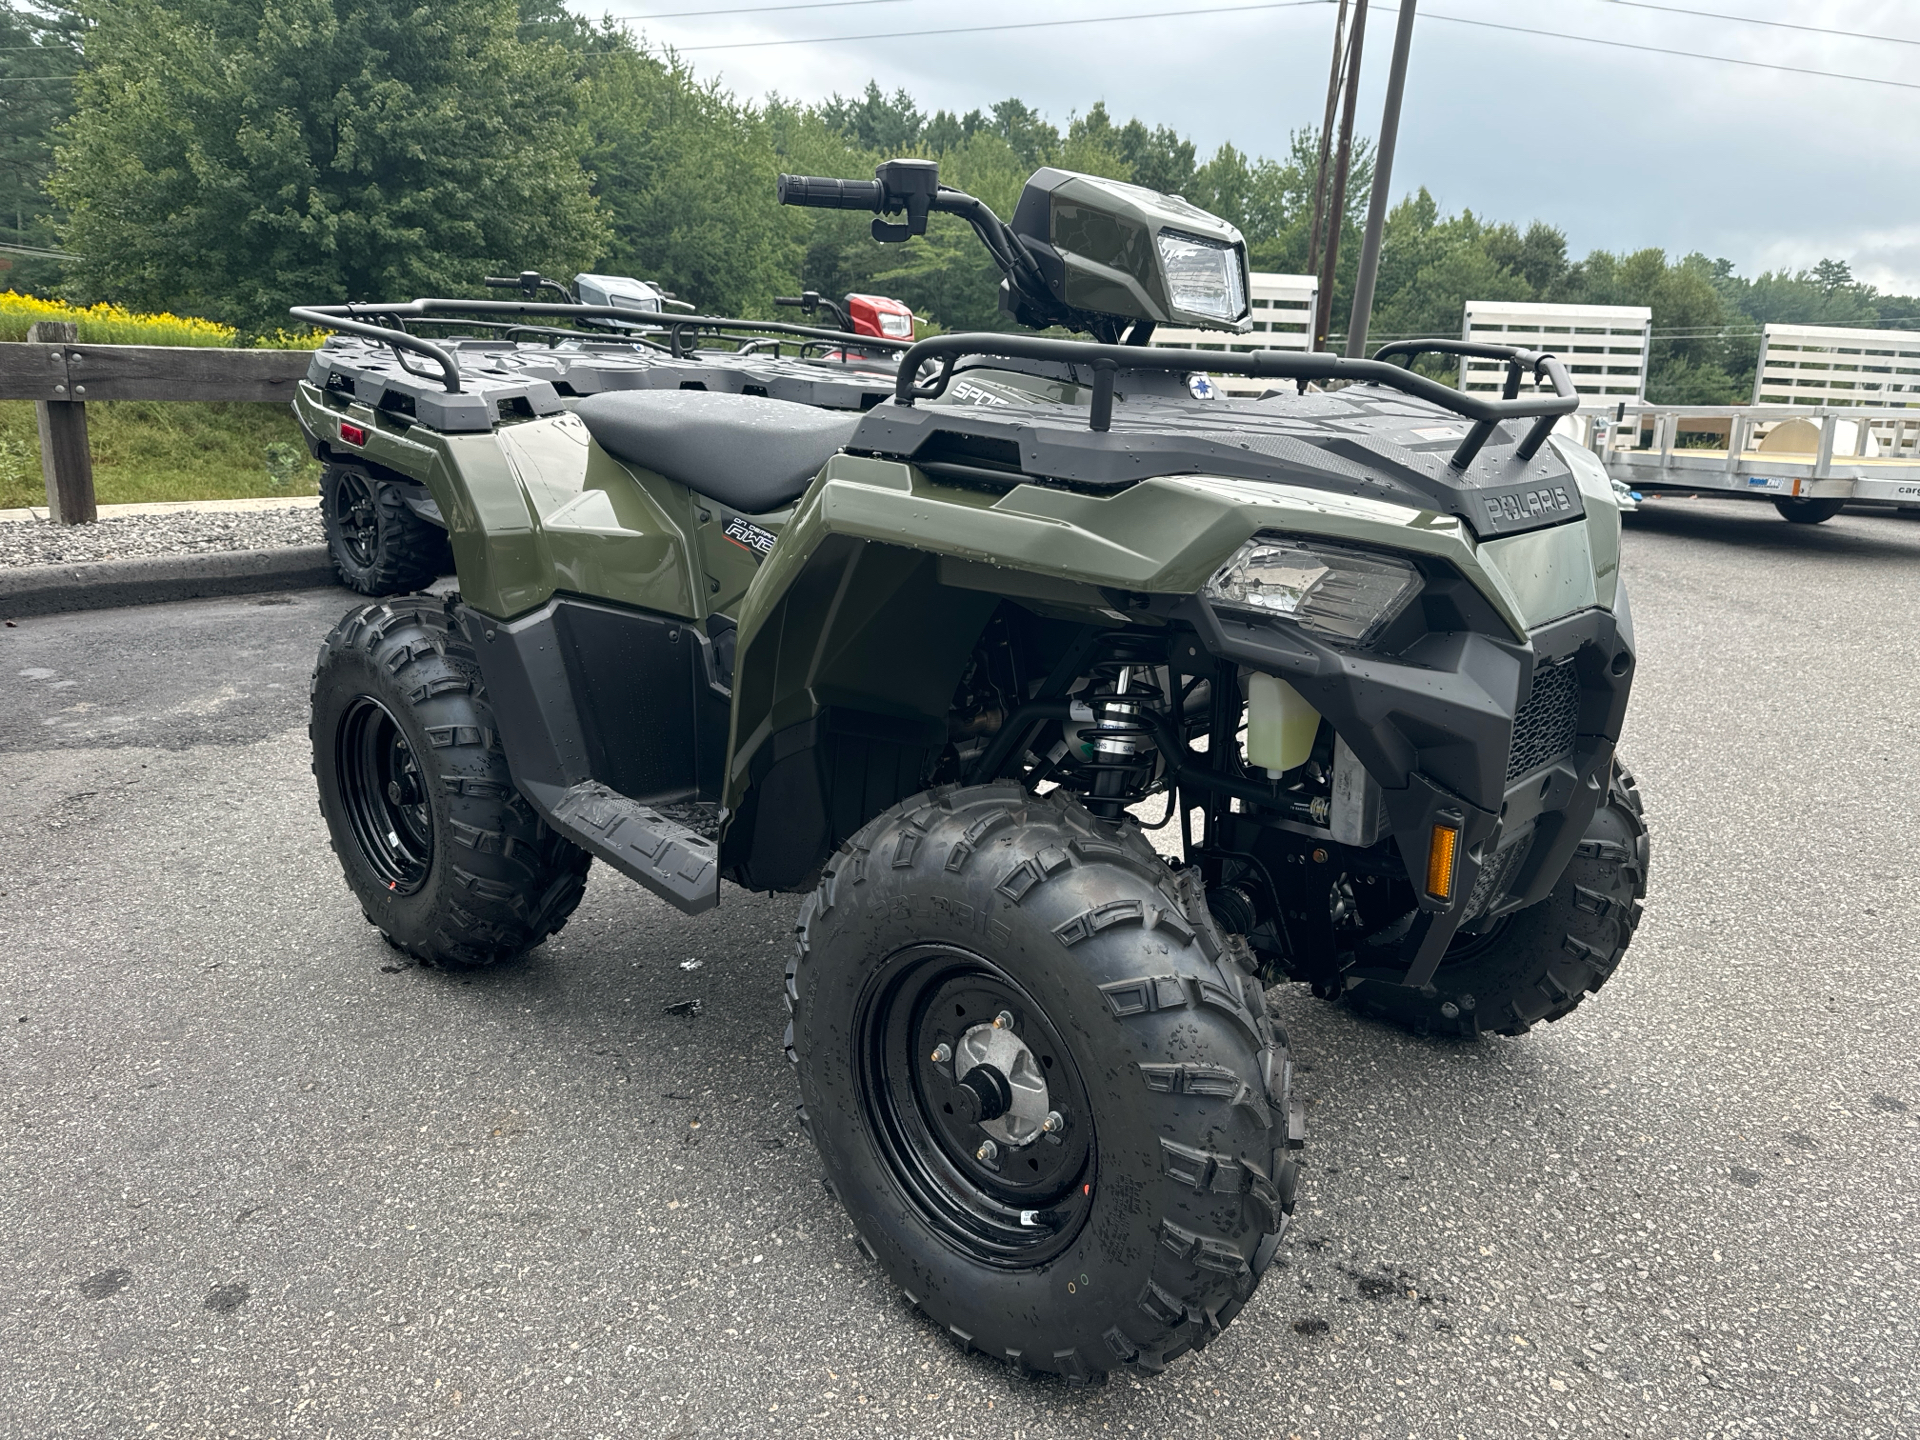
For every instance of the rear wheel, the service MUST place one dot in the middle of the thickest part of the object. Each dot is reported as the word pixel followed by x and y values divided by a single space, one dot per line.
pixel 445 856
pixel 1538 963
pixel 1809 512
pixel 1040 1081
pixel 377 544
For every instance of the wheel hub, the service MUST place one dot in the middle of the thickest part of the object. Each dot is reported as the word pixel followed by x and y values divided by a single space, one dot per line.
pixel 996 1065
pixel 977 1105
pixel 353 510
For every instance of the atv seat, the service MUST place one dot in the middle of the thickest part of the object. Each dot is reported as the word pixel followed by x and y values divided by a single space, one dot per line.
pixel 745 451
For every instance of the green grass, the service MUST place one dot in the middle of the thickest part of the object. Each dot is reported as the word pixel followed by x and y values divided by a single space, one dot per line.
pixel 173 450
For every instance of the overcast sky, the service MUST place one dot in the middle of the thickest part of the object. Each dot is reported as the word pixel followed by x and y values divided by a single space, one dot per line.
pixel 1620 148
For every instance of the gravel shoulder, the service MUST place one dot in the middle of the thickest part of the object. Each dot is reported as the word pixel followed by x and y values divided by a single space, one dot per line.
pixel 157 530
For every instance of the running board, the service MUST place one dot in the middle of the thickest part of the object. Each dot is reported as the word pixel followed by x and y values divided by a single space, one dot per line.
pixel 675 862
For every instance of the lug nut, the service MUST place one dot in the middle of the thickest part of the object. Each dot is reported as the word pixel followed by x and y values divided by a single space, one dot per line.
pixel 942 1054
pixel 987 1153
pixel 1003 1021
pixel 1054 1123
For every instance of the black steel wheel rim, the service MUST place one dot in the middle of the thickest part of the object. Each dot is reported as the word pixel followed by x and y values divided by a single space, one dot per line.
pixel 1027 1207
pixel 355 517
pixel 384 795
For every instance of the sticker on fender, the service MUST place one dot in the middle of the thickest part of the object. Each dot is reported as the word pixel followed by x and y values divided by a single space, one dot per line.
pixel 749 536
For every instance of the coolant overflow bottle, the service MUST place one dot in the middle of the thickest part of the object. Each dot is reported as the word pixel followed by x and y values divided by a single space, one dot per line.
pixel 1281 725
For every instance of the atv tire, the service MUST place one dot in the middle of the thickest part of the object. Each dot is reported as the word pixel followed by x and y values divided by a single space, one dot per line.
pixel 444 855
pixel 377 544
pixel 1809 512
pixel 1135 1229
pixel 1538 963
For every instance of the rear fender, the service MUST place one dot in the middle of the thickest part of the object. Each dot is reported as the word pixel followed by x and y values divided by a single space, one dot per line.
pixel 536 507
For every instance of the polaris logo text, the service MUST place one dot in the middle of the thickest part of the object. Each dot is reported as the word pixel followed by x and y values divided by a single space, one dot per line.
pixel 1526 504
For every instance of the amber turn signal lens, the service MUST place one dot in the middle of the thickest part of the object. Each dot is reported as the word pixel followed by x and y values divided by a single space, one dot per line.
pixel 1442 853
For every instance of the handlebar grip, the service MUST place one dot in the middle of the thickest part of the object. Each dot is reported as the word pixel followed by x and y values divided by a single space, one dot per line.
pixel 502 282
pixel 823 194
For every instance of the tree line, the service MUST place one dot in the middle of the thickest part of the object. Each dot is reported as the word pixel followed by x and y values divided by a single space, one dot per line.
pixel 370 149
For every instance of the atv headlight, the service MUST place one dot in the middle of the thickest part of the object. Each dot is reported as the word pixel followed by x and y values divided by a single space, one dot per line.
pixel 1346 594
pixel 1203 276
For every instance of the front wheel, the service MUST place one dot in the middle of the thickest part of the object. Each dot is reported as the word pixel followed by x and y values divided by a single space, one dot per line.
pixel 1045 1090
pixel 1539 963
pixel 1809 512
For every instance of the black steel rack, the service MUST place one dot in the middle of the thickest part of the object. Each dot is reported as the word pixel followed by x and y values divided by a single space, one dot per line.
pixel 1106 361
pixel 681 332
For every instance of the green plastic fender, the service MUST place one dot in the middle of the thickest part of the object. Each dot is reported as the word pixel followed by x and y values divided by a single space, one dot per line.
pixel 880 584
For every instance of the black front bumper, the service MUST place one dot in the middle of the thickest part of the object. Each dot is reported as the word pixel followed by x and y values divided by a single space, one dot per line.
pixel 1435 727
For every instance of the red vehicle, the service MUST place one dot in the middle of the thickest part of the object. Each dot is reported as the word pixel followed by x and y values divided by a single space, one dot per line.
pixel 858 314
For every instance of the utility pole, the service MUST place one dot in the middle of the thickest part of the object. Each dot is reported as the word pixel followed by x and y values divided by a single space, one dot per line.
pixel 1337 202
pixel 1326 141
pixel 1382 176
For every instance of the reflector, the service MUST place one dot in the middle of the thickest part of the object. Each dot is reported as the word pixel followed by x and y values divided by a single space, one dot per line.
pixel 1442 853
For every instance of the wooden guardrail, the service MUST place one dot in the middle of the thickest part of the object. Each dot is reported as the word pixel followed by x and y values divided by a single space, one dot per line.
pixel 60 375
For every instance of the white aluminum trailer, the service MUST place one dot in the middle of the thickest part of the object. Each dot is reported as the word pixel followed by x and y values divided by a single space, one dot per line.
pixel 1869 456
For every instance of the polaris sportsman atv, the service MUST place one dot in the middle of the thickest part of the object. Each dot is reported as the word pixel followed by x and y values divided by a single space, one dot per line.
pixel 926 663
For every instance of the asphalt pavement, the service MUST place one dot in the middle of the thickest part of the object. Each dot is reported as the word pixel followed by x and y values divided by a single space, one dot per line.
pixel 259 1176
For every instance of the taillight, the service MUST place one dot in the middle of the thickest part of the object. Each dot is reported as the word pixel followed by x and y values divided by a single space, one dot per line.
pixel 880 315
pixel 352 434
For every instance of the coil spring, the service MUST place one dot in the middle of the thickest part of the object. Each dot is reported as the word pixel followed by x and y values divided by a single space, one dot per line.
pixel 1121 768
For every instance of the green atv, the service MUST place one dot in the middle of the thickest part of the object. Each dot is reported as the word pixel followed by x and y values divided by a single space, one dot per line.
pixel 928 657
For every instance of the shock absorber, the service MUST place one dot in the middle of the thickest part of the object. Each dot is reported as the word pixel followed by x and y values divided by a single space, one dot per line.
pixel 1123 748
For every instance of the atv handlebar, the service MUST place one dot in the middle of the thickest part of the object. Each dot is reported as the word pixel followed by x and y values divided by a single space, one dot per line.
pixel 1107 360
pixel 914 186
pixel 824 194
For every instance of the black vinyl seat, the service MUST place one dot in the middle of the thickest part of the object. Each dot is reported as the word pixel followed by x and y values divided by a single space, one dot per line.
pixel 745 451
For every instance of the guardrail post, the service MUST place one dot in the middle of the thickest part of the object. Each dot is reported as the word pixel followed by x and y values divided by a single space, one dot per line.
pixel 65 462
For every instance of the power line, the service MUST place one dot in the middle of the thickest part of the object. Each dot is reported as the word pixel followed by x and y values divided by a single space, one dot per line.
pixel 1684 54
pixel 1290 5
pixel 1186 14
pixel 1750 20
pixel 1629 4
pixel 759 9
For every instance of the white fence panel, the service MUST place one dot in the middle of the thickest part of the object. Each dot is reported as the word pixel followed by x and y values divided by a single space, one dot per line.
pixel 1824 365
pixel 1604 347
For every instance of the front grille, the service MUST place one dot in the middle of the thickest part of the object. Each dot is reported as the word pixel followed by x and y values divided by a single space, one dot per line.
pixel 1545 727
pixel 1497 876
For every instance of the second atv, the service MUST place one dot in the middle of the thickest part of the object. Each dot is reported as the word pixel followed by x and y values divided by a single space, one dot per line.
pixel 940 666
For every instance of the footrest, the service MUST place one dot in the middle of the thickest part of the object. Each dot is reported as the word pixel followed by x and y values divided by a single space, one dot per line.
pixel 669 858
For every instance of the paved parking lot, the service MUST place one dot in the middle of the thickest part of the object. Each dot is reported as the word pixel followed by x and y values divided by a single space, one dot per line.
pixel 259 1177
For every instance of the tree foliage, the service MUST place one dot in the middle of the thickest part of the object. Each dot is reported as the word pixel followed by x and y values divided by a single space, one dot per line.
pixel 39 53
pixel 309 150
pixel 282 150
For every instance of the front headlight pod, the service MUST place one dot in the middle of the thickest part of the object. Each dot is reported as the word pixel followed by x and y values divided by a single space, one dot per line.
pixel 1203 275
pixel 1347 595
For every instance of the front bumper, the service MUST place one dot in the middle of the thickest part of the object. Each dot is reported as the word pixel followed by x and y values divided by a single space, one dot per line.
pixel 1509 742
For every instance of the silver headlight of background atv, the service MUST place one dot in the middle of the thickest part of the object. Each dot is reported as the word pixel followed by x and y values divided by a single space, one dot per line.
pixel 1344 594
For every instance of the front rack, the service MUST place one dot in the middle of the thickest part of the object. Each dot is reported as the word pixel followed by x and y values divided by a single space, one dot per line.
pixel 680 331
pixel 1107 360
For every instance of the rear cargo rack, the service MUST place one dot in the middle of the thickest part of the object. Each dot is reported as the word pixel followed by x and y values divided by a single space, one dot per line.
pixel 509 315
pixel 1107 360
